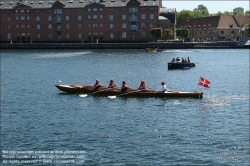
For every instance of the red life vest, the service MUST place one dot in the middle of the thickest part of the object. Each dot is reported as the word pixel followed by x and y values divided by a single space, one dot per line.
pixel 142 86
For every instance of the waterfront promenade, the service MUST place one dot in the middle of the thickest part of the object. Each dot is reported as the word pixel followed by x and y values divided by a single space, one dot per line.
pixel 165 45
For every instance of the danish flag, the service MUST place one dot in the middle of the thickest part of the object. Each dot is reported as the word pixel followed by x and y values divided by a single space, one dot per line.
pixel 204 82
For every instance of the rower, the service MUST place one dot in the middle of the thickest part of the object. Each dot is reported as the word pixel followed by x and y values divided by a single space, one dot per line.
pixel 97 84
pixel 124 86
pixel 112 84
pixel 143 86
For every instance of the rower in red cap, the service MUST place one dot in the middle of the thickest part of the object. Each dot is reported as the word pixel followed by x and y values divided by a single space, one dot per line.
pixel 164 87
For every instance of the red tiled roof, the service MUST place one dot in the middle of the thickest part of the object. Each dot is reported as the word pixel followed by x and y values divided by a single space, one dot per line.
pixel 215 21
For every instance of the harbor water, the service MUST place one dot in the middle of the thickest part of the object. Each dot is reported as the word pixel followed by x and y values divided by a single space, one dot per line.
pixel 42 126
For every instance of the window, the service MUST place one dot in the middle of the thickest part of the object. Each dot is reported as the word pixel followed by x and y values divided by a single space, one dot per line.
pixel 67 35
pixel 111 17
pixel 57 11
pixel 143 34
pixel 79 10
pixel 95 17
pixel 50 35
pixel 100 9
pixel 79 35
pixel 17 18
pixel 67 26
pixel 152 8
pixel 28 26
pixel 16 11
pixel 38 26
pixel 151 25
pixel 89 25
pixel 37 18
pixel 111 35
pixel 17 26
pixel 27 11
pixel 89 9
pixel 101 25
pixel 222 32
pixel 124 16
pixel 232 31
pixel 8 26
pixel 100 17
pixel 59 27
pixel 124 35
pixel 124 25
pixel 111 26
pixel 38 35
pixel 133 10
pixel 22 26
pixel 79 17
pixel 49 18
pixel 28 18
pixel 143 25
pixel 22 11
pixel 9 36
pixel 95 25
pixel 22 18
pixel 67 18
pixel 111 9
pixel 143 16
pixel 89 17
pixel 94 9
pixel 152 16
pixel 50 26
pixel 7 18
pixel 143 8
pixel 79 26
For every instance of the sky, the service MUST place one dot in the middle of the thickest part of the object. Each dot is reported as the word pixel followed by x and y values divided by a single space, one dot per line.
pixel 213 6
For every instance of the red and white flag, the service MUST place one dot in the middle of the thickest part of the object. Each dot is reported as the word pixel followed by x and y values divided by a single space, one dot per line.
pixel 204 82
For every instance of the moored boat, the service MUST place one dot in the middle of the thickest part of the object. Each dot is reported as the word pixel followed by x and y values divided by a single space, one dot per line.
pixel 153 50
pixel 73 88
pixel 180 65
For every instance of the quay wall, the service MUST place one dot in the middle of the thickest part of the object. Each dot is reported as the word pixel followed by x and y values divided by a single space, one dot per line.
pixel 186 45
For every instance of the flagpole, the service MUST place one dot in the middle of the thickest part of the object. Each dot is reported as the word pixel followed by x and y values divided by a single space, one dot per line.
pixel 198 84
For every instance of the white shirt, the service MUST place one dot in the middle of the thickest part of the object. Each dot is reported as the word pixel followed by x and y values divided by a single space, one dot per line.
pixel 164 87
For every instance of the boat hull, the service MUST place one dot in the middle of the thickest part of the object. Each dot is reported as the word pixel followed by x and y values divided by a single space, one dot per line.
pixel 184 65
pixel 72 88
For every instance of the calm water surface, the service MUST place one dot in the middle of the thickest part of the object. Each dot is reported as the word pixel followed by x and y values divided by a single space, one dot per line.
pixel 39 121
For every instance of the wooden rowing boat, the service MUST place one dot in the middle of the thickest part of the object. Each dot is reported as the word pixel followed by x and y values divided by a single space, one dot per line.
pixel 73 88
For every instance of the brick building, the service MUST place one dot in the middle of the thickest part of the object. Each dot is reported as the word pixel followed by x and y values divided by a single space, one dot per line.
pixel 80 20
pixel 216 28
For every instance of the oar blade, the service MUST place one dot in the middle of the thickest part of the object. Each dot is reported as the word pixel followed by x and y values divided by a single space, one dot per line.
pixel 112 97
pixel 83 95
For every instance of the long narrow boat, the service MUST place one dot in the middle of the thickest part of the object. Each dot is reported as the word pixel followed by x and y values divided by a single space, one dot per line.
pixel 73 88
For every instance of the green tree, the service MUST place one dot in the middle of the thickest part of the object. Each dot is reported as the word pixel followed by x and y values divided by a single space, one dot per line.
pixel 247 13
pixel 238 13
pixel 156 32
pixel 201 11
pixel 168 33
pixel 247 29
pixel 182 32
pixel 183 15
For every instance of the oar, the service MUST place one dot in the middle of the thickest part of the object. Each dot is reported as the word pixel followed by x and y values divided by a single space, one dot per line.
pixel 113 97
pixel 85 95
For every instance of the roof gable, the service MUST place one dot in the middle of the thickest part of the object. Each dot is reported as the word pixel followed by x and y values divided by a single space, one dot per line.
pixel 133 3
pixel 22 6
pixel 58 4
